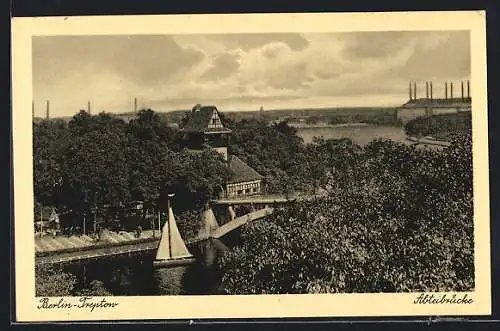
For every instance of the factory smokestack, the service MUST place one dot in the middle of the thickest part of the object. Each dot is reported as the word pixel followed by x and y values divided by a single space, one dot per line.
pixel 135 105
pixel 47 111
pixel 88 107
pixel 451 90
pixel 446 90
pixel 414 91
pixel 430 85
pixel 427 90
pixel 33 109
pixel 462 88
pixel 409 91
pixel 468 90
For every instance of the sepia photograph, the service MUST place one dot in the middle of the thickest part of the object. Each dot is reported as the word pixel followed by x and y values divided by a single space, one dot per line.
pixel 255 164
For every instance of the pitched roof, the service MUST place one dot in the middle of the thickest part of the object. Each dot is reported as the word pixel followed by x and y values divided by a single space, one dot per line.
pixel 241 172
pixel 422 102
pixel 200 119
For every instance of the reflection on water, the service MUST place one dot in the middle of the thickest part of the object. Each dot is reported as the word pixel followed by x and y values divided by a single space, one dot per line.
pixel 170 280
pixel 135 275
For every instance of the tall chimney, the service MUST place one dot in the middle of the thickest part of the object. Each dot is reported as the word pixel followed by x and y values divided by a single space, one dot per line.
pixel 47 111
pixel 33 109
pixel 451 90
pixel 414 91
pixel 446 90
pixel 427 90
pixel 409 90
pixel 468 89
pixel 430 85
pixel 88 107
pixel 135 105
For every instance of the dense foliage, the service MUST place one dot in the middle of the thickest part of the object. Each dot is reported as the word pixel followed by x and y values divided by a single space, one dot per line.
pixel 439 126
pixel 279 154
pixel 54 282
pixel 275 151
pixel 395 219
pixel 50 282
pixel 99 165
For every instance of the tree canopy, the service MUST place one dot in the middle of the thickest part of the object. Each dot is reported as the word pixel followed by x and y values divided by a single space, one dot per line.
pixel 97 162
pixel 395 219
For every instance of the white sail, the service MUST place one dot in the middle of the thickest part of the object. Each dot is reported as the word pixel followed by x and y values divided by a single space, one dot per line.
pixel 163 252
pixel 171 244
pixel 178 248
pixel 209 222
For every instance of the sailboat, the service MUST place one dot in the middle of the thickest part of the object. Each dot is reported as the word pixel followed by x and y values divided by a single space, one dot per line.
pixel 172 250
pixel 209 223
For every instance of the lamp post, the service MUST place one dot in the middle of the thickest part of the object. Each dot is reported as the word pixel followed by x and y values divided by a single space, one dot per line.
pixel 84 221
pixel 153 222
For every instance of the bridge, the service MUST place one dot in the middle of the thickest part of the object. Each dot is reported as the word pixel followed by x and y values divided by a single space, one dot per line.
pixel 59 249
pixel 256 199
pixel 234 224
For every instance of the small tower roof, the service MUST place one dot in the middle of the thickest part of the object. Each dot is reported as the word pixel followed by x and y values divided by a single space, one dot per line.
pixel 199 120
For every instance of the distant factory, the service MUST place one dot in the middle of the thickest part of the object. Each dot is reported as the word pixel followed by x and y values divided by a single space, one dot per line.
pixel 429 105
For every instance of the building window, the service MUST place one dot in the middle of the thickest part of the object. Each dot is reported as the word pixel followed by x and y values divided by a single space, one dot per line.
pixel 247 191
pixel 214 121
pixel 239 192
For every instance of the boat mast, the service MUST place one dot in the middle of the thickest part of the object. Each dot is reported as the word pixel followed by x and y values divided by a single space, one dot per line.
pixel 169 226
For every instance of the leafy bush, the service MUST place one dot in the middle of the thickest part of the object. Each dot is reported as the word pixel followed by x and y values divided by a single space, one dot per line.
pixel 440 125
pixel 52 282
pixel 396 219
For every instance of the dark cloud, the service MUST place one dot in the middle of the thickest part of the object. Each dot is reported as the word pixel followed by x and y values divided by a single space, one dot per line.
pixel 451 59
pixel 223 66
pixel 333 65
pixel 141 59
pixel 375 44
pixel 289 77
pixel 437 55
pixel 245 41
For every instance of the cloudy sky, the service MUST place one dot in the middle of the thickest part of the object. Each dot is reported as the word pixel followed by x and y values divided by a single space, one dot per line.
pixel 243 71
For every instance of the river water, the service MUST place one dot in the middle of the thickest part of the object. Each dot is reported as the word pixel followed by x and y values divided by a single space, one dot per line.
pixel 134 275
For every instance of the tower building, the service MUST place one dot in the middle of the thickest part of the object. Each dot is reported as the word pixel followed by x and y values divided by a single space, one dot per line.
pixel 205 129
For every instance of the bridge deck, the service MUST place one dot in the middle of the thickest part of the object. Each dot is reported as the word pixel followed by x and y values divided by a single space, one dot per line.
pixel 64 250
pixel 272 198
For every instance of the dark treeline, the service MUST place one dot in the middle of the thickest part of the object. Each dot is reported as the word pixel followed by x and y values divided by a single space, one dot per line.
pixel 396 219
pixel 440 126
pixel 101 165
pixel 375 116
pixel 98 166
pixel 280 155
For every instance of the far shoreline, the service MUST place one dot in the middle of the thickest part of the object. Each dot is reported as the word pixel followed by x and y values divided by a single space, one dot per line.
pixel 326 125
